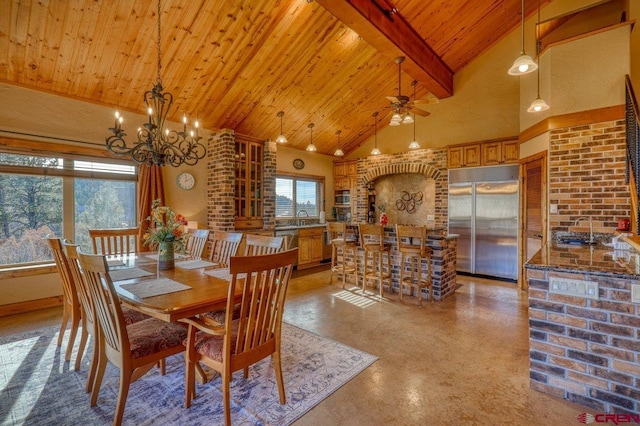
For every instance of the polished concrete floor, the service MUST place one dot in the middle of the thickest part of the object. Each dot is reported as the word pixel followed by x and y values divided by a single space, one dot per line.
pixel 463 361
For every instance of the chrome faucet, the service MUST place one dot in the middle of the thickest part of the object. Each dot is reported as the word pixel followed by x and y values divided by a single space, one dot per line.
pixel 299 215
pixel 575 223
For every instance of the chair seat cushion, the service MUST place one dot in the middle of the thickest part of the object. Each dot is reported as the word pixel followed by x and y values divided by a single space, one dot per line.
pixel 131 316
pixel 210 346
pixel 153 335
pixel 220 315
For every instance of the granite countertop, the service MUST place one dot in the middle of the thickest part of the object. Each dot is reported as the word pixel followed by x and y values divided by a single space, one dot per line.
pixel 597 260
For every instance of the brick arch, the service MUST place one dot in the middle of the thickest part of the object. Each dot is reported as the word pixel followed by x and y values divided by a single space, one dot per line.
pixel 401 168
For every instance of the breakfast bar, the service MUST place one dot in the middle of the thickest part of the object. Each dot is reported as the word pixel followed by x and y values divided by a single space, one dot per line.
pixel 584 324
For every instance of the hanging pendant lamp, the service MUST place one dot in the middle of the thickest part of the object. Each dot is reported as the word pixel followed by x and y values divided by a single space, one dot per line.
pixel 281 137
pixel 523 63
pixel 414 143
pixel 538 103
pixel 311 147
pixel 375 150
pixel 339 152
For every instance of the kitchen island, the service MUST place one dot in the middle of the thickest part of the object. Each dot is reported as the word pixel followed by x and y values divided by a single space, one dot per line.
pixel 584 320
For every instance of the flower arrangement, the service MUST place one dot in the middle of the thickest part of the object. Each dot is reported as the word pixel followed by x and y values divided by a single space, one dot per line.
pixel 166 226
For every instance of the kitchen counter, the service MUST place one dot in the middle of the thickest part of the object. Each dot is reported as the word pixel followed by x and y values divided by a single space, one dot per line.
pixel 596 259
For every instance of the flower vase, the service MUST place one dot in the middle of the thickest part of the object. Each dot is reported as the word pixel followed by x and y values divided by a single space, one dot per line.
pixel 165 256
pixel 383 219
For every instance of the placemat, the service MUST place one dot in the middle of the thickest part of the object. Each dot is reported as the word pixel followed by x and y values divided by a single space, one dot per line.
pixel 194 264
pixel 156 287
pixel 128 273
pixel 115 262
pixel 222 273
pixel 177 256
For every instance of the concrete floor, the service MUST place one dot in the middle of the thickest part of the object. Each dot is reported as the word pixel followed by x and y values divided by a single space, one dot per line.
pixel 463 361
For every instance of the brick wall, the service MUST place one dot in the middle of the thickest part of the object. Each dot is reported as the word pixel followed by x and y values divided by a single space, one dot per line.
pixel 586 351
pixel 587 177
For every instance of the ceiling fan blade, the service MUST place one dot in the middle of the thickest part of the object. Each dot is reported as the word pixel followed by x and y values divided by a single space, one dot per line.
pixel 394 99
pixel 429 100
pixel 420 112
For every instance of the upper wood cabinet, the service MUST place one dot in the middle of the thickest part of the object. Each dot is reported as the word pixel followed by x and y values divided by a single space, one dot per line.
pixel 248 184
pixel 483 154
pixel 343 171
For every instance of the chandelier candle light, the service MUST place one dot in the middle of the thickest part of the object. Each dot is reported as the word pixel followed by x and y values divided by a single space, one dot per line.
pixel 157 144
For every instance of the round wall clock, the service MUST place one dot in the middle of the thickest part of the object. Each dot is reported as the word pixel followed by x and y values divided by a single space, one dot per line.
pixel 298 164
pixel 185 181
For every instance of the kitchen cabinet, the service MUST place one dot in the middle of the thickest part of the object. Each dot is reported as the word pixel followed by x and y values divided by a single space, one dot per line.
pixel 343 172
pixel 487 153
pixel 248 183
pixel 309 247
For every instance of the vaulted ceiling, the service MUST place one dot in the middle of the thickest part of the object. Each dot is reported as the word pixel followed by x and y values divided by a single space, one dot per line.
pixel 236 63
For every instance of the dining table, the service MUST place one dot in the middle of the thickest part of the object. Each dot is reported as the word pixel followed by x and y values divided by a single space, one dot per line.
pixel 192 287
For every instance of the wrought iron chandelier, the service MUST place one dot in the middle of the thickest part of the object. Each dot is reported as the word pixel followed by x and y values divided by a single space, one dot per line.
pixel 157 144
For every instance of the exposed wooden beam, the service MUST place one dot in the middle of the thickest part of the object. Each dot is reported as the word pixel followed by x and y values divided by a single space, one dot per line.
pixel 392 35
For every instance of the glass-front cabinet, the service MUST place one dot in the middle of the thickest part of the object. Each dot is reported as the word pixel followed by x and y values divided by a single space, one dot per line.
pixel 248 183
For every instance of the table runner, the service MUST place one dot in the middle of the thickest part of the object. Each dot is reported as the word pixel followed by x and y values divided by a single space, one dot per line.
pixel 155 287
pixel 194 264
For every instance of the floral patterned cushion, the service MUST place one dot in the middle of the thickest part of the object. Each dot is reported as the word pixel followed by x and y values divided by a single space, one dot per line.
pixel 153 335
pixel 219 315
pixel 131 316
pixel 211 346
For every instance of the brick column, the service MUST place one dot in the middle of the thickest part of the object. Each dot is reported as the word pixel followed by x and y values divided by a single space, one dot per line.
pixel 220 180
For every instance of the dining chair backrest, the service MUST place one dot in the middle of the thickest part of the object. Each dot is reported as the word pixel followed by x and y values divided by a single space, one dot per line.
pixel 224 245
pixel 71 250
pixel 115 241
pixel 196 242
pixel 257 245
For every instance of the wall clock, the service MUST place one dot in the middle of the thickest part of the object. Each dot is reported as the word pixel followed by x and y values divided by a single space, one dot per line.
pixel 298 164
pixel 185 181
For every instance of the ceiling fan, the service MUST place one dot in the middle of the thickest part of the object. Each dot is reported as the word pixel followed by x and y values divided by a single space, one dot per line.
pixel 402 106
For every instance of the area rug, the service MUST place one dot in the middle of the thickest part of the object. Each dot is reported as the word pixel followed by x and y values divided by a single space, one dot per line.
pixel 38 388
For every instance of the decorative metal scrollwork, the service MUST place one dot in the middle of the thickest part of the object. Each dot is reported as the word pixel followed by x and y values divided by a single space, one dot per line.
pixel 407 202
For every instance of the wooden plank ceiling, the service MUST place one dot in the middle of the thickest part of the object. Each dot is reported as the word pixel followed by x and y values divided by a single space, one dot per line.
pixel 236 63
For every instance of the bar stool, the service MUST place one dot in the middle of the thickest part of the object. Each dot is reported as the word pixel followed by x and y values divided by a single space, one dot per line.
pixel 372 242
pixel 412 247
pixel 341 243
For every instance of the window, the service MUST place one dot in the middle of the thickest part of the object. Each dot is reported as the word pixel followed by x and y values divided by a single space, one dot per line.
pixel 34 204
pixel 298 197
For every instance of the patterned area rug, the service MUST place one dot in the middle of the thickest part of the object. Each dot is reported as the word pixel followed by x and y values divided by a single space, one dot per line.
pixel 38 388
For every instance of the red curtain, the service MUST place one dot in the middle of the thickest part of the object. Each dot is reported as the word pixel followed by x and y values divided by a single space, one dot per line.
pixel 150 187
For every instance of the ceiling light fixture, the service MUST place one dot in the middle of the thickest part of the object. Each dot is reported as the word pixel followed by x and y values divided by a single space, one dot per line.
pixel 414 143
pixel 311 147
pixel 396 118
pixel 523 63
pixel 538 103
pixel 281 137
pixel 339 152
pixel 157 144
pixel 375 150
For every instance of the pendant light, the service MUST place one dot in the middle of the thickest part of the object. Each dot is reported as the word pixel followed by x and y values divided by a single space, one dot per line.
pixel 338 152
pixel 281 137
pixel 414 143
pixel 538 103
pixel 311 147
pixel 375 150
pixel 523 63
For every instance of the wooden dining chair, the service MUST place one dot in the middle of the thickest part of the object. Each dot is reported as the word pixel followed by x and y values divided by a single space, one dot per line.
pixel 70 302
pixel 257 245
pixel 114 241
pixel 224 245
pixel 134 349
pixel 88 315
pixel 254 335
pixel 196 241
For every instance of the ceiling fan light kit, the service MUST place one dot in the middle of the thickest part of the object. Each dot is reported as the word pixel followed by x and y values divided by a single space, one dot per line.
pixel 281 137
pixel 156 144
pixel 523 63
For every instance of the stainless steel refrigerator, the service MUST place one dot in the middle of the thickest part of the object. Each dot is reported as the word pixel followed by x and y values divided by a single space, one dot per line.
pixel 483 211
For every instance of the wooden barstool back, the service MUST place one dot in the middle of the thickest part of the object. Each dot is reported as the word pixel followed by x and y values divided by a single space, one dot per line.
pixel 375 249
pixel 412 245
pixel 116 241
pixel 342 244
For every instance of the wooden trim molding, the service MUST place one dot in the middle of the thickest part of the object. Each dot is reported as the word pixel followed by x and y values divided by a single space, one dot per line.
pixel 30 306
pixel 616 112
